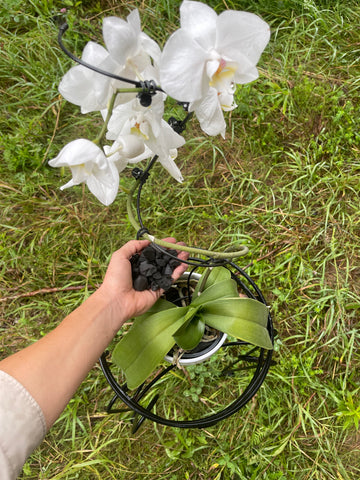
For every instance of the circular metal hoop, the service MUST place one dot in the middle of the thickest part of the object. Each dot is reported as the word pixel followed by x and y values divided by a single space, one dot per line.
pixel 261 364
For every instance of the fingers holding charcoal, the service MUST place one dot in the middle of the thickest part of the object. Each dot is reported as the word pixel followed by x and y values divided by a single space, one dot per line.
pixel 152 268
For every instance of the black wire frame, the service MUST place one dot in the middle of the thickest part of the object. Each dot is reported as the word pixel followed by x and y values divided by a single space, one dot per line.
pixel 263 362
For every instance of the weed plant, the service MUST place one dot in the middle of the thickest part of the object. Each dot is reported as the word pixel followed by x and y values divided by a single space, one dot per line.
pixel 285 182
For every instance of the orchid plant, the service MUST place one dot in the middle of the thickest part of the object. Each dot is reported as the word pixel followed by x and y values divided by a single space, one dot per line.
pixel 129 81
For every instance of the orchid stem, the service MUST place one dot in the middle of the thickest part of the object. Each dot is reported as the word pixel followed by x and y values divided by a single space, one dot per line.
pixel 197 251
pixel 129 90
pixel 98 140
pixel 100 137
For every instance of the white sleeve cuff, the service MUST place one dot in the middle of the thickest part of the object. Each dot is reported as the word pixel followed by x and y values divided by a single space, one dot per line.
pixel 22 426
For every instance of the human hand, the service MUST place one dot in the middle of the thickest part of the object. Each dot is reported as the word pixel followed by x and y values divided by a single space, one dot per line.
pixel 117 287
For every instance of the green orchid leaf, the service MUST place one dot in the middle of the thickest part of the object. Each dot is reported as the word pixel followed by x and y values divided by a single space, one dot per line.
pixel 190 314
pixel 239 307
pixel 146 343
pixel 243 318
pixel 217 274
pixel 224 289
pixel 190 333
pixel 245 330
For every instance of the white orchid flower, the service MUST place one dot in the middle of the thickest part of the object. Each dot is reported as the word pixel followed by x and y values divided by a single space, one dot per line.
pixel 146 124
pixel 86 88
pixel 89 164
pixel 122 118
pixel 127 44
pixel 132 118
pixel 128 54
pixel 203 61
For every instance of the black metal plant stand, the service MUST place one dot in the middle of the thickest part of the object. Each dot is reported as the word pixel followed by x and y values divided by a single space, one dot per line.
pixel 245 358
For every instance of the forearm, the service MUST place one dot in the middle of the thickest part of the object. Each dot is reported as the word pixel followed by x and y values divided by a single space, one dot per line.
pixel 52 368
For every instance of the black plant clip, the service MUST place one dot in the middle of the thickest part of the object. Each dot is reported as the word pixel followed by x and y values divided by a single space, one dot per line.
pixel 149 88
pixel 179 125
pixel 137 173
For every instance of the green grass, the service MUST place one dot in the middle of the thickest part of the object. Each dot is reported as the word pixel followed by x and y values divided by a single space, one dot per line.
pixel 285 182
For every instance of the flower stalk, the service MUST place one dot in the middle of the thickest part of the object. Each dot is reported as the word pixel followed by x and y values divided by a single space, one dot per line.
pixel 99 139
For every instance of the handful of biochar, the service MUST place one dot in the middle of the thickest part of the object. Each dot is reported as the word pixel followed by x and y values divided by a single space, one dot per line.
pixel 152 268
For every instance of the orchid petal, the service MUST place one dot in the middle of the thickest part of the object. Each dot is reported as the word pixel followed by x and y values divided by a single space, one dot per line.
pixel 209 113
pixel 120 38
pixel 132 116
pixel 113 155
pixel 132 146
pixel 119 119
pixel 75 153
pixel 104 184
pixel 182 73
pixel 204 60
pixel 69 184
pixel 246 72
pixel 211 67
pixel 165 146
pixel 150 47
pixel 84 87
pixel 133 19
pixel 143 156
pixel 169 164
pixel 127 44
pixel 148 44
pixel 241 33
pixel 200 21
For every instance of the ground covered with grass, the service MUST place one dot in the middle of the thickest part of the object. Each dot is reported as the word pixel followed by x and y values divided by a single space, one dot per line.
pixel 285 182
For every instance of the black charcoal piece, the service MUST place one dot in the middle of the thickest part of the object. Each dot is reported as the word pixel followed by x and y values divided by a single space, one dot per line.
pixel 135 271
pixel 154 286
pixel 174 263
pixel 165 283
pixel 147 268
pixel 168 270
pixel 149 253
pixel 134 259
pixel 161 262
pixel 140 283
